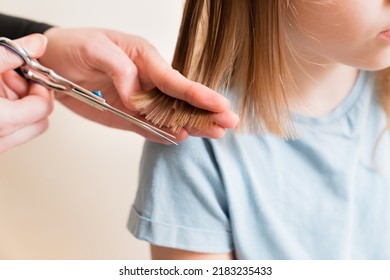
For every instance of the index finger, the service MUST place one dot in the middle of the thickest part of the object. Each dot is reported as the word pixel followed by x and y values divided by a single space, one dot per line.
pixel 172 83
pixel 176 85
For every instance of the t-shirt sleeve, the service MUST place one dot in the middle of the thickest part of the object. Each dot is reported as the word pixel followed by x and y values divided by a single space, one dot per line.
pixel 181 202
pixel 15 27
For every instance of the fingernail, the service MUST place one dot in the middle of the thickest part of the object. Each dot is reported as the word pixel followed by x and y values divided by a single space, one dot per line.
pixel 228 102
pixel 35 43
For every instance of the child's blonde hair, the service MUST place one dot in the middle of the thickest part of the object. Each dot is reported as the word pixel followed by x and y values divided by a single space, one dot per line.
pixel 243 45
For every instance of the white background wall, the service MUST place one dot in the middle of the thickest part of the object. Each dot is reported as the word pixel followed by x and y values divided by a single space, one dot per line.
pixel 67 194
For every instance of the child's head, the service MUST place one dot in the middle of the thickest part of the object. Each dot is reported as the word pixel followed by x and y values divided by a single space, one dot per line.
pixel 257 47
pixel 351 32
pixel 251 45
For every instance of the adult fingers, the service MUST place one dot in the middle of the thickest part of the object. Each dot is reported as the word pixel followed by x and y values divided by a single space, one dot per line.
pixel 23 135
pixel 153 69
pixel 214 131
pixel 33 108
pixel 34 44
pixel 171 82
pixel 15 83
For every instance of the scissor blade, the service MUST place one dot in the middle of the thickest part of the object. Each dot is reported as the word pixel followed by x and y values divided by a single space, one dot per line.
pixel 33 70
pixel 142 124
pixel 101 104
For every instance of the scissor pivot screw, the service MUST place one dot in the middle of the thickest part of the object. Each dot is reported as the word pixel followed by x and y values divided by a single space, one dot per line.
pixel 98 93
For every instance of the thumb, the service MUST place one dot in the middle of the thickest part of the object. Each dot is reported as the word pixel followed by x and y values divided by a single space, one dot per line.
pixel 34 45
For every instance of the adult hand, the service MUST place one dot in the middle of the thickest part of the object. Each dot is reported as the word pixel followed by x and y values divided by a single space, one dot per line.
pixel 24 107
pixel 120 65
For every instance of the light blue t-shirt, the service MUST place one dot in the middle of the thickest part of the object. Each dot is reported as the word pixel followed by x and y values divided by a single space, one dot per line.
pixel 320 197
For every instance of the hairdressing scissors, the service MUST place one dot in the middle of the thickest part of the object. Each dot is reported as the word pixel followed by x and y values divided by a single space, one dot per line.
pixel 36 72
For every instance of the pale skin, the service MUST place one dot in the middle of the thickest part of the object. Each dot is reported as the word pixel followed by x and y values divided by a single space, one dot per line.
pixel 335 39
pixel 118 64
pixel 24 107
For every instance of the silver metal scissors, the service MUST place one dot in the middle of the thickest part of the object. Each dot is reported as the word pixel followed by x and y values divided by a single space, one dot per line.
pixel 36 72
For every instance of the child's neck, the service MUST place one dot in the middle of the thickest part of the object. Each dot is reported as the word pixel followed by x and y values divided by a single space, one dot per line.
pixel 321 88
